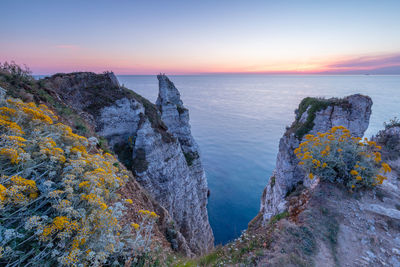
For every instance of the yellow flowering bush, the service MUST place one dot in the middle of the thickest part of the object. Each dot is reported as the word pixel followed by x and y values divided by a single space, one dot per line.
pixel 58 195
pixel 338 157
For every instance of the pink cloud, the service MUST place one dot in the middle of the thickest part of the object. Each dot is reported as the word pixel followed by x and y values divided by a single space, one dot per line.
pixel 366 62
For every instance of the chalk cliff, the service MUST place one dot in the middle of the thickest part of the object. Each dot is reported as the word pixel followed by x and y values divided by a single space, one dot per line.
pixel 314 115
pixel 324 225
pixel 155 142
pixel 193 183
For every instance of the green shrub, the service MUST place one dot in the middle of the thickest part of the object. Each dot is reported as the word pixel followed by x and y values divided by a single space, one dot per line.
pixel 279 217
pixel 338 157
pixel 15 74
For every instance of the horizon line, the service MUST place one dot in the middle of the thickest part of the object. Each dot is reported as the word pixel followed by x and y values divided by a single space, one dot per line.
pixel 233 73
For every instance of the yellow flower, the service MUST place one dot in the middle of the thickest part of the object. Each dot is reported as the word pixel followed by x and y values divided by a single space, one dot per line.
pixel 353 186
pixel 33 195
pixel 309 137
pixel 359 178
pixel 324 165
pixel 386 167
pixel 378 157
pixel 135 225
pixel 103 206
pixel 3 192
pixel 128 200
pixel 354 172
pixel 47 231
pixel 60 222
pixel 84 184
pixel 11 154
pixel 380 178
pixel 144 212
pixel 311 176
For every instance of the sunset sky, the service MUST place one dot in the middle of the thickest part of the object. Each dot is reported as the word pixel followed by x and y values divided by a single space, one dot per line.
pixel 190 37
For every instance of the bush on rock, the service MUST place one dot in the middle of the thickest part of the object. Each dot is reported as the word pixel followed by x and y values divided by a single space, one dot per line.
pixel 338 157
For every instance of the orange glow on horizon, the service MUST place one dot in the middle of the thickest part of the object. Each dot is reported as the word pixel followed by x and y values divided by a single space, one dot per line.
pixel 76 59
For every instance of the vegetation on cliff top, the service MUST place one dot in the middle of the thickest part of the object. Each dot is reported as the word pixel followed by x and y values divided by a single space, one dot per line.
pixel 312 105
pixel 58 195
pixel 338 157
pixel 19 83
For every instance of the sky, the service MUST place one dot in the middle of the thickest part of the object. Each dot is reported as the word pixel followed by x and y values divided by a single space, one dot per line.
pixel 194 37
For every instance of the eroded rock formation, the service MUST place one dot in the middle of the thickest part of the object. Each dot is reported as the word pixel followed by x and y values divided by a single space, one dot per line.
pixel 176 118
pixel 325 225
pixel 155 142
pixel 313 115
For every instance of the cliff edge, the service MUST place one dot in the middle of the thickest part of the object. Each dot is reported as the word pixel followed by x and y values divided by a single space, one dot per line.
pixel 313 115
pixel 153 141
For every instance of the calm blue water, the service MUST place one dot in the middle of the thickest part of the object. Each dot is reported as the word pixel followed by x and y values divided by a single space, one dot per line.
pixel 238 120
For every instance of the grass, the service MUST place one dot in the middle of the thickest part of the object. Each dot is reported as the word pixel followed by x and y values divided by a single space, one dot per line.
pixel 278 217
pixel 209 259
pixel 311 105
pixel 152 114
pixel 80 127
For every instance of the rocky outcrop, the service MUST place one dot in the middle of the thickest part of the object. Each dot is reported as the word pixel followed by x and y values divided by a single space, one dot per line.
pixel 162 155
pixel 338 228
pixel 323 224
pixel 176 118
pixel 314 115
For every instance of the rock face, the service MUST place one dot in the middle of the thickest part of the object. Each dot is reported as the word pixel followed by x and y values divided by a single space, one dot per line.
pixel 328 226
pixel 157 146
pixel 313 115
pixel 176 118
pixel 323 224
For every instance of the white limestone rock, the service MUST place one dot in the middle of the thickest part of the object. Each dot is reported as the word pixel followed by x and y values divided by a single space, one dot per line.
pixel 176 118
pixel 353 112
pixel 165 161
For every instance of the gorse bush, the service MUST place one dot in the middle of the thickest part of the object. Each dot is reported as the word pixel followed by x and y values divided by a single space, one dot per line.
pixel 58 196
pixel 338 157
